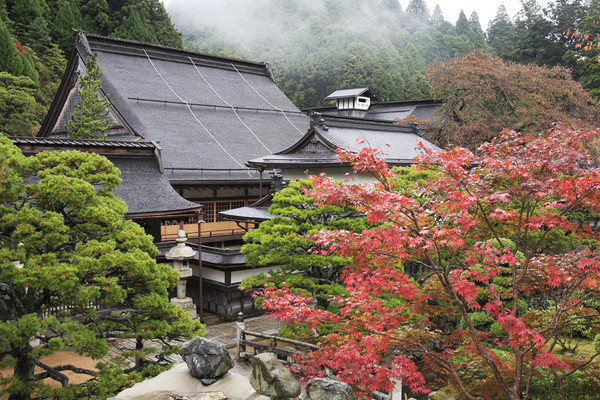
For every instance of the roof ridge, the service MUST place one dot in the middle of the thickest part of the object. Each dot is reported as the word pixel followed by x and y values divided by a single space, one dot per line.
pixel 375 103
pixel 361 121
pixel 169 48
pixel 79 142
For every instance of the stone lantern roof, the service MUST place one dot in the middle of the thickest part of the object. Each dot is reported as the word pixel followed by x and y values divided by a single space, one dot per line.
pixel 181 251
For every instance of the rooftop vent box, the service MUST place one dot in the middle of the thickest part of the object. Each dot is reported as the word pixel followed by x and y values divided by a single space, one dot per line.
pixel 353 103
pixel 362 103
pixel 353 99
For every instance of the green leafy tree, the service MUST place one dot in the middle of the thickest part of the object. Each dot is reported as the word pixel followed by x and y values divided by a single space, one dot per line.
pixel 24 12
pixel 533 39
pixel 50 65
pixel 564 15
pixel 96 18
pixel 585 53
pixel 500 33
pixel 415 85
pixel 20 114
pixel 134 27
pixel 160 21
pixel 65 246
pixel 418 9
pixel 285 241
pixel 437 17
pixel 15 58
pixel 89 117
pixel 66 17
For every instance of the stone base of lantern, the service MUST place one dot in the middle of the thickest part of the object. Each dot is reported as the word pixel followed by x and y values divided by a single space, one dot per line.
pixel 187 304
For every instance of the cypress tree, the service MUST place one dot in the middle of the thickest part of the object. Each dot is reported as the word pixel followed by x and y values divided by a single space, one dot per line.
pixel 500 33
pixel 418 9
pixel 9 55
pixel 89 121
pixel 24 12
pixel 67 16
pixel 134 28
pixel 437 17
pixel 15 61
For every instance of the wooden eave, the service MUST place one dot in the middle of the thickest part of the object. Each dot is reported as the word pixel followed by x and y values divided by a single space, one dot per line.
pixel 66 83
pixel 165 215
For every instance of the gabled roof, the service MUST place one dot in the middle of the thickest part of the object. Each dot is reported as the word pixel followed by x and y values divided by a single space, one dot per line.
pixel 144 189
pixel 318 148
pixel 210 114
pixel 423 109
pixel 353 92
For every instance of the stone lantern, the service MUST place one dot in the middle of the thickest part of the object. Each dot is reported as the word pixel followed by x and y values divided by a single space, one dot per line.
pixel 181 255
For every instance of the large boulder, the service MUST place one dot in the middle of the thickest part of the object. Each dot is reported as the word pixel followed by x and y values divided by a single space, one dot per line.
pixel 328 389
pixel 271 378
pixel 206 360
pixel 179 383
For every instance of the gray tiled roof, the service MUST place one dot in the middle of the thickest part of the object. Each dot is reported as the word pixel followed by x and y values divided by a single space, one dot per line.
pixel 247 212
pixel 399 143
pixel 143 188
pixel 389 111
pixel 396 141
pixel 165 95
pixel 343 93
pixel 222 257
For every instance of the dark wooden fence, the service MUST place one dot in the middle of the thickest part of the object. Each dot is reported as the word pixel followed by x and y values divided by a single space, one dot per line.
pixel 284 348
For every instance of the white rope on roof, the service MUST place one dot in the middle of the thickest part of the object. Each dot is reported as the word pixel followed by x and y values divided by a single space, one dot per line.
pixel 229 105
pixel 268 102
pixel 194 115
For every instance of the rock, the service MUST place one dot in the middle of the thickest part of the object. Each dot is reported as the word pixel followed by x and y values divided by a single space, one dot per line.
pixel 210 396
pixel 328 389
pixel 441 395
pixel 271 378
pixel 205 359
pixel 179 383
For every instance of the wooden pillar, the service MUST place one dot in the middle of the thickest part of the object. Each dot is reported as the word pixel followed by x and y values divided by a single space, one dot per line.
pixel 200 299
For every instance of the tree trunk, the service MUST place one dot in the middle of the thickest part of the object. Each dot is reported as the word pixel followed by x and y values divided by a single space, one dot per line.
pixel 24 370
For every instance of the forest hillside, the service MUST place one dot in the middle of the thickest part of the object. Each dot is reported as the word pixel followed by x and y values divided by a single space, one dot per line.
pixel 313 47
pixel 317 46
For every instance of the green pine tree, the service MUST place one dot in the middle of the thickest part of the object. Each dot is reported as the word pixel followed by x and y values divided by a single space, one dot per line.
pixel 20 114
pixel 135 28
pixel 64 245
pixel 67 16
pixel 89 121
pixel 12 60
pixel 500 33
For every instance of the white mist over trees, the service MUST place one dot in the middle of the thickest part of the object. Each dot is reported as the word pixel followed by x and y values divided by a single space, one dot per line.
pixel 316 47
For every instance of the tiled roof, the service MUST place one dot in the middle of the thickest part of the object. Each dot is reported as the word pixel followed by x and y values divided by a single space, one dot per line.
pixel 143 187
pixel 399 143
pixel 423 109
pixel 210 114
pixel 353 92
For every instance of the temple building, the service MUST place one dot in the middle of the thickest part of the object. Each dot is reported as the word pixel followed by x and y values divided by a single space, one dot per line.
pixel 198 139
pixel 207 116
pixel 317 151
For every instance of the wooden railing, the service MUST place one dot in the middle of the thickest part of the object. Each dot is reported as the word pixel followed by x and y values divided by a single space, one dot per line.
pixel 59 310
pixel 209 230
pixel 272 344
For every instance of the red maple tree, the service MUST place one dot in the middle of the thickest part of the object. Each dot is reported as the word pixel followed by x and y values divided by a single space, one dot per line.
pixel 507 263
